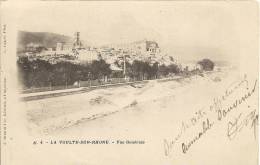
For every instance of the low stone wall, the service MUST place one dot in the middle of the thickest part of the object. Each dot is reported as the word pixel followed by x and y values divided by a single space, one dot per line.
pixel 83 90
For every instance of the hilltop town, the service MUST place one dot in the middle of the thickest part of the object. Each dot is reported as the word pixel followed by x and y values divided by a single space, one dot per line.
pixel 57 61
pixel 76 52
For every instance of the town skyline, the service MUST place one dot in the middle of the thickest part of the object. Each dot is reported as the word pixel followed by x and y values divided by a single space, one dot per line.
pixel 216 29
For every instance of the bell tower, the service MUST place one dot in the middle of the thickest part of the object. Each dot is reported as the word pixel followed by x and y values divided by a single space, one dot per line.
pixel 77 43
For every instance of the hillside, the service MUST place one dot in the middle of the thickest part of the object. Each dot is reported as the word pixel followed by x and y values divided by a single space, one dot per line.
pixel 45 39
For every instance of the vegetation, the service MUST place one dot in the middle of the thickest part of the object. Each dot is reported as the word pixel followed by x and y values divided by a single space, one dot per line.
pixel 40 73
pixel 206 64
pixel 140 70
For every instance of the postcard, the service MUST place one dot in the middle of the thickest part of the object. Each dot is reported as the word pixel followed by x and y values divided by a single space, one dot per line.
pixel 129 82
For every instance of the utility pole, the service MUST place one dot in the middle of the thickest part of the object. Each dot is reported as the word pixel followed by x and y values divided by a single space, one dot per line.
pixel 89 78
pixel 124 68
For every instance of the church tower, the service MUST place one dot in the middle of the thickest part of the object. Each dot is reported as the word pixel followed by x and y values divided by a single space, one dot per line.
pixel 77 43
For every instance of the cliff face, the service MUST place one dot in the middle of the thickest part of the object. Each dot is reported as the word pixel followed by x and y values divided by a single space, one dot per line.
pixel 45 39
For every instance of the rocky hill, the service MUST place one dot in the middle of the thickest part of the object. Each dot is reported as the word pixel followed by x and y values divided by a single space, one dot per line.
pixel 46 39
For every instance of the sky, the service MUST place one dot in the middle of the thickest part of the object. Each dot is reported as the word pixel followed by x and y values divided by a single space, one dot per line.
pixel 187 30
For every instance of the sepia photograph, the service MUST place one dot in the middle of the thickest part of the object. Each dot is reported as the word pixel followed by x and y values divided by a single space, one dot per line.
pixel 150 82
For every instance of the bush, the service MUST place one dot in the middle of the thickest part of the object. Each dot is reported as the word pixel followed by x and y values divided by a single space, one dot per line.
pixel 206 64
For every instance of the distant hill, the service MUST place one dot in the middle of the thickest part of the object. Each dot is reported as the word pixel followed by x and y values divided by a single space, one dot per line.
pixel 46 39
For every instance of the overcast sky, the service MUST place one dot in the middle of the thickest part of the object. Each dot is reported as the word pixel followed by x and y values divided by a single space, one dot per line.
pixel 187 30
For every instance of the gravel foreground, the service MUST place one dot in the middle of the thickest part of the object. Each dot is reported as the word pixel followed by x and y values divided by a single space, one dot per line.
pixel 132 124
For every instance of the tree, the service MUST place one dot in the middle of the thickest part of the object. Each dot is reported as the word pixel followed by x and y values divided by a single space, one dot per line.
pixel 62 72
pixel 34 73
pixel 206 64
pixel 155 69
pixel 173 68
pixel 24 69
pixel 143 70
pixel 136 69
pixel 100 69
pixel 85 71
pixel 163 70
pixel 147 70
pixel 129 71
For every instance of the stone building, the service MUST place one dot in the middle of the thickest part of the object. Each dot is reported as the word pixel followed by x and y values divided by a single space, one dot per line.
pixel 138 47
